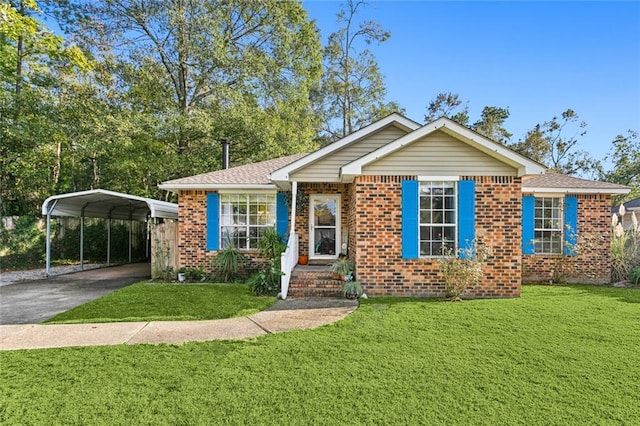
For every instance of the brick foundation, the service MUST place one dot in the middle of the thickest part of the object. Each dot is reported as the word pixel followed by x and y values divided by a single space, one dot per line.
pixel 593 263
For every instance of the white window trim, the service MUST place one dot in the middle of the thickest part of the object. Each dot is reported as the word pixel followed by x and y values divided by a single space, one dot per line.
pixel 455 180
pixel 248 226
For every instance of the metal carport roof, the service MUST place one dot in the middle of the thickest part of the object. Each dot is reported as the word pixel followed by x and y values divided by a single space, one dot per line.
pixel 108 204
pixel 103 204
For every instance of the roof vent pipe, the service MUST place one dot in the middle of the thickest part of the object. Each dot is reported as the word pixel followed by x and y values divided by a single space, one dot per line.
pixel 225 153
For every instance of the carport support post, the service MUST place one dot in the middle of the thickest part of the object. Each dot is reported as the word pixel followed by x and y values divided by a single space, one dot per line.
pixel 109 241
pixel 48 246
pixel 129 237
pixel 82 241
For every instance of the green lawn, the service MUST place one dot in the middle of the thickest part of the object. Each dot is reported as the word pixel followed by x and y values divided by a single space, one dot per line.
pixel 146 301
pixel 556 356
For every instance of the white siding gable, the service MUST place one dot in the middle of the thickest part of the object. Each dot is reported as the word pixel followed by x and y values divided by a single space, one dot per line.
pixel 438 154
pixel 328 169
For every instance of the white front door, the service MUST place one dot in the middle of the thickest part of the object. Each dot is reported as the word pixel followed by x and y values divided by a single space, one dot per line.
pixel 324 226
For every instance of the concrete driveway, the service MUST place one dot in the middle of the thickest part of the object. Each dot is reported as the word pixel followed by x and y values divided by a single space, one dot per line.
pixel 31 302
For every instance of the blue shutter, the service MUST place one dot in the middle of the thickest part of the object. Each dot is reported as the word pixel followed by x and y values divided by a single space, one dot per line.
pixel 282 215
pixel 528 229
pixel 570 230
pixel 213 228
pixel 410 219
pixel 466 214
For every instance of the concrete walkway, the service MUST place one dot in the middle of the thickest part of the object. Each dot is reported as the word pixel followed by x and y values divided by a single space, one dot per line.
pixel 291 314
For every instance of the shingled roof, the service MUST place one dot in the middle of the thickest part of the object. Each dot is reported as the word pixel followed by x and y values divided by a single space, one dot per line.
pixel 250 175
pixel 555 182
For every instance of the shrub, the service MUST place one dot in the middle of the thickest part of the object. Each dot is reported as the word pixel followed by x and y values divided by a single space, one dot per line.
pixel 195 274
pixel 267 280
pixel 22 246
pixel 634 276
pixel 462 268
pixel 226 265
pixel 625 247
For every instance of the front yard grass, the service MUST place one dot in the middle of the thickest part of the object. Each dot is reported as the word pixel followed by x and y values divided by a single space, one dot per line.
pixel 555 356
pixel 147 301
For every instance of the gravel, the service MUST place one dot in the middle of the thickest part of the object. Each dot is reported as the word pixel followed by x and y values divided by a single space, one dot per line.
pixel 12 277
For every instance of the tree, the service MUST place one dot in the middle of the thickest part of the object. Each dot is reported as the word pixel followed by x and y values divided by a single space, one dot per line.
pixel 183 58
pixel 491 124
pixel 353 90
pixel 447 104
pixel 625 155
pixel 548 143
pixel 30 58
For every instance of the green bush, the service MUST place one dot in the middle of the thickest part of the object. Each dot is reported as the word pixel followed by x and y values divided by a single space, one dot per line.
pixel 24 245
pixel 227 264
pixel 267 281
pixel 634 276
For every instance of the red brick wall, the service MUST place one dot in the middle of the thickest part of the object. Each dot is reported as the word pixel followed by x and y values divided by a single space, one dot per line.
pixel 593 263
pixel 378 239
pixel 192 234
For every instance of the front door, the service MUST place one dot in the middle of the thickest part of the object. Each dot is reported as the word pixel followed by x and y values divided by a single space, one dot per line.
pixel 324 226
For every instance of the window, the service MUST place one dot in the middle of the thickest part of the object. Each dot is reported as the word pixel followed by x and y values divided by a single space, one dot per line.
pixel 244 218
pixel 437 218
pixel 548 225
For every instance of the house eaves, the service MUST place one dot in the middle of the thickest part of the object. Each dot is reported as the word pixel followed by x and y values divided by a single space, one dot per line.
pixel 523 165
pixel 556 183
pixel 283 174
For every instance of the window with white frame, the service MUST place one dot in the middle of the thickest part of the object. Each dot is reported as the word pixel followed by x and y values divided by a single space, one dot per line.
pixel 548 225
pixel 244 218
pixel 437 218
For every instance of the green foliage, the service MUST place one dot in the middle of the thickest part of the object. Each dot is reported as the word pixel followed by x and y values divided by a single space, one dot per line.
pixel 227 264
pixel 625 155
pixel 167 302
pixel 634 276
pixel 625 247
pixel 343 266
pixel 267 281
pixel 555 356
pixel 271 245
pixel 352 289
pixel 23 246
pixel 447 104
pixel 462 268
pixel 352 92
pixel 195 275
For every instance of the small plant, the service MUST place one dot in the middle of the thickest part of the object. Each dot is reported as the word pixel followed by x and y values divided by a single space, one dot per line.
pixel 634 276
pixel 343 266
pixel 462 268
pixel 195 274
pixel 227 264
pixel 352 289
pixel 267 281
pixel 270 244
pixel 625 247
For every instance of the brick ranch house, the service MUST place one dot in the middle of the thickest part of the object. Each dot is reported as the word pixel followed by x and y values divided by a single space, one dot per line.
pixel 389 196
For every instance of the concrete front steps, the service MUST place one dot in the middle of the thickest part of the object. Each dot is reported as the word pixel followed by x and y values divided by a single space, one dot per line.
pixel 314 281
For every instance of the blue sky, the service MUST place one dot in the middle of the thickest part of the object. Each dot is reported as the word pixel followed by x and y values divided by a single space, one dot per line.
pixel 536 58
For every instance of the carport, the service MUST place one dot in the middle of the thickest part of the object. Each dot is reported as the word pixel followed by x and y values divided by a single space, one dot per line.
pixel 109 205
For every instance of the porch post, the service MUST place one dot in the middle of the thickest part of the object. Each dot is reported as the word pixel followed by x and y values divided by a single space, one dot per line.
pixel 130 215
pixel 294 201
